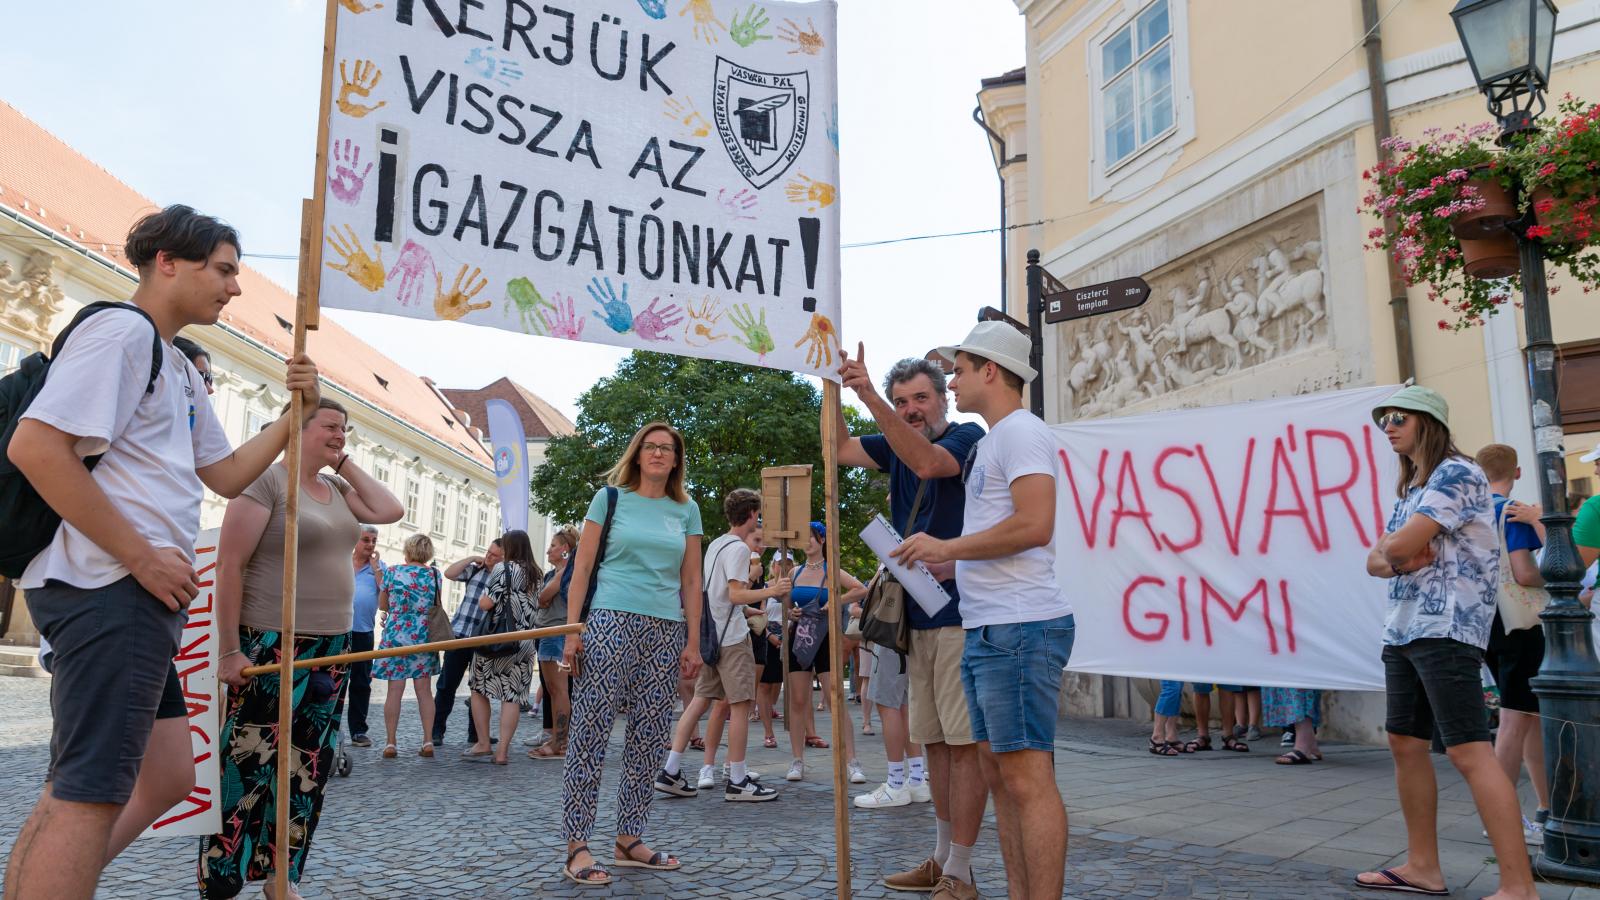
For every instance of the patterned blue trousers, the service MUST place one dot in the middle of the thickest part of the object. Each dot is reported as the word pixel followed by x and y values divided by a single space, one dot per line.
pixel 629 663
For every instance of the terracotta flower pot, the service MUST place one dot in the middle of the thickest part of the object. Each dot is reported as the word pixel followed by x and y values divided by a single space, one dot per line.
pixel 1498 209
pixel 1492 256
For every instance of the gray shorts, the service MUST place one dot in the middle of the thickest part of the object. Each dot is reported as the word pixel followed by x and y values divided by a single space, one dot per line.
pixel 112 677
pixel 887 687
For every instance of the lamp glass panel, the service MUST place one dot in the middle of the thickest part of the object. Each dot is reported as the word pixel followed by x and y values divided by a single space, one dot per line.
pixel 1497 37
pixel 1544 28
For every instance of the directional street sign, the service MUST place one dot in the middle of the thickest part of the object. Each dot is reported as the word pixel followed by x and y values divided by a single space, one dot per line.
pixel 1096 299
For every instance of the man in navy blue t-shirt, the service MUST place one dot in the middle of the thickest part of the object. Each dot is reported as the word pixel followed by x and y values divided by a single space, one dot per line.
pixel 919 445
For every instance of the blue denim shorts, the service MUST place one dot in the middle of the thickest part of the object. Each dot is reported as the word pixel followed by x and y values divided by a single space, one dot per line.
pixel 1011 675
pixel 1170 703
pixel 551 648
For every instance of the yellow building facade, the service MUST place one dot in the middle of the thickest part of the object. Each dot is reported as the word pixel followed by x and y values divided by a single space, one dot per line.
pixel 1216 149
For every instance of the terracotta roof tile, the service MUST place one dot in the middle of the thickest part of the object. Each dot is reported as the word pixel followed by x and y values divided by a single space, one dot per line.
pixel 540 420
pixel 57 187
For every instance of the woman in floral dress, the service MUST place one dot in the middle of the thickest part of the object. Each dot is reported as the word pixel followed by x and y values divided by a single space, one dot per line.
pixel 409 591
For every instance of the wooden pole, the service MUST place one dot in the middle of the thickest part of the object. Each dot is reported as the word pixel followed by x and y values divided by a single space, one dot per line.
pixel 831 415
pixel 305 318
pixel 437 646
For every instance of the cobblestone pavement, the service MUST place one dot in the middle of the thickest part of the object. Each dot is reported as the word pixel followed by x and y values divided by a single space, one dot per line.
pixel 1143 826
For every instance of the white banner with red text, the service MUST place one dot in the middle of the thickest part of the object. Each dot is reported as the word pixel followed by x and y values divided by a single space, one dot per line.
pixel 1228 544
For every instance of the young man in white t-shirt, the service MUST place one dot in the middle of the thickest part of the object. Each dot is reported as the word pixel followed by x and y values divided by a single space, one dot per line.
pixel 733 678
pixel 1018 624
pixel 111 591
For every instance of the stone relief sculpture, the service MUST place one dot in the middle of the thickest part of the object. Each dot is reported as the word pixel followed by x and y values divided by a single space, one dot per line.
pixel 30 302
pixel 1237 303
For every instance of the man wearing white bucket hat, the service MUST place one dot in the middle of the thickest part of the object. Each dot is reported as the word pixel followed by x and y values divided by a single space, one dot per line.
pixel 1018 624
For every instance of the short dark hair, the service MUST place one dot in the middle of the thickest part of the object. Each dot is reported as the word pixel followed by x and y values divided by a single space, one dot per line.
pixel 1012 379
pixel 180 231
pixel 740 505
pixel 190 350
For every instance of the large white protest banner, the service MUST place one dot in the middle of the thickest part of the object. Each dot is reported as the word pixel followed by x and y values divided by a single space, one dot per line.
pixel 614 171
pixel 1228 544
pixel 200 813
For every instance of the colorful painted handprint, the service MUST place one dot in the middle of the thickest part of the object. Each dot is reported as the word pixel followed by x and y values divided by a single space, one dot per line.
pixel 704 18
pixel 702 328
pixel 685 114
pixel 753 335
pixel 808 41
pixel 357 7
pixel 748 31
pixel 816 193
pixel 346 183
pixel 413 267
pixel 741 205
pixel 530 304
pixel 819 354
pixel 832 120
pixel 362 268
pixel 487 63
pixel 562 321
pixel 652 324
pixel 655 9
pixel 457 302
pixel 366 78
pixel 619 315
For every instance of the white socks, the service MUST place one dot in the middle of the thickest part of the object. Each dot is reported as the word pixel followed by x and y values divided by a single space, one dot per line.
pixel 959 863
pixel 897 775
pixel 941 847
pixel 674 762
pixel 918 772
pixel 736 772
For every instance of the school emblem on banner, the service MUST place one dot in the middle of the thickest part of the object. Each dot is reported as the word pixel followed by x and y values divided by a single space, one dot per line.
pixel 762 118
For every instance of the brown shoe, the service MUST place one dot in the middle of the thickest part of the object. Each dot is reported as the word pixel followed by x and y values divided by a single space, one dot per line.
pixel 950 888
pixel 923 878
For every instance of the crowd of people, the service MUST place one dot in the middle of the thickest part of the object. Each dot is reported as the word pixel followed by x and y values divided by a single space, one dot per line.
pixel 967 701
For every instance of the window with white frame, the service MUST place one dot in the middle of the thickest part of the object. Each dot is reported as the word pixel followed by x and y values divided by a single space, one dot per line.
pixel 441 507
pixel 11 356
pixel 483 527
pixel 413 501
pixel 255 421
pixel 380 471
pixel 461 520
pixel 1136 84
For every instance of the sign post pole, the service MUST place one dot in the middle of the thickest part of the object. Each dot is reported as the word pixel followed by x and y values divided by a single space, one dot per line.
pixel 832 415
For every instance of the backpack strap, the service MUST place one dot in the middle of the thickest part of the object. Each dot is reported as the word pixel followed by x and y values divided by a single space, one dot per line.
pixel 100 306
pixel 612 494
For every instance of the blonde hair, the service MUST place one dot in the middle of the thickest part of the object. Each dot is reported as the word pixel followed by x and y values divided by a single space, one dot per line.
pixel 419 549
pixel 626 473
pixel 569 536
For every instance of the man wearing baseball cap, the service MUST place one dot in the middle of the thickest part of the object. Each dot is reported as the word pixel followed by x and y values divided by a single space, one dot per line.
pixel 1019 626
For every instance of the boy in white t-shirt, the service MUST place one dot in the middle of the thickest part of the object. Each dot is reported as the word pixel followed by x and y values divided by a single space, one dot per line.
pixel 111 590
pixel 1018 625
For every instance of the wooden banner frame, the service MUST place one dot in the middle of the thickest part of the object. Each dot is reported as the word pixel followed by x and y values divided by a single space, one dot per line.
pixel 832 416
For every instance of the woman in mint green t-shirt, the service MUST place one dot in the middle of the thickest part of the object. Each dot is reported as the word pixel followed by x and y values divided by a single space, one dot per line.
pixel 642 634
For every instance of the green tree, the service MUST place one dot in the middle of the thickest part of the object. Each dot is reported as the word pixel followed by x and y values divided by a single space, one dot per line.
pixel 735 419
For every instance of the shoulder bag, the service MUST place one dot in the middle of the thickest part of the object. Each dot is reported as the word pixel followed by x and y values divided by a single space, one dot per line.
pixel 599 554
pixel 884 618
pixel 502 620
pixel 710 637
pixel 439 628
pixel 1519 605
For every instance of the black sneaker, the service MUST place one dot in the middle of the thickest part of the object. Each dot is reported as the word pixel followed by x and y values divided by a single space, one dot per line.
pixel 361 740
pixel 746 791
pixel 675 785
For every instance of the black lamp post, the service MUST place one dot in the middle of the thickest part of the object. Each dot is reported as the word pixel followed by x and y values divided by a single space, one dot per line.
pixel 1508 44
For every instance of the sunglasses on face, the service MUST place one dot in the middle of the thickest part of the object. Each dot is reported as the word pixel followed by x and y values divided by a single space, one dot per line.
pixel 1394 419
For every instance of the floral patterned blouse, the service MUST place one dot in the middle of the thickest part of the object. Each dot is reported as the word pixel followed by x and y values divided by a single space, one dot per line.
pixel 1454 597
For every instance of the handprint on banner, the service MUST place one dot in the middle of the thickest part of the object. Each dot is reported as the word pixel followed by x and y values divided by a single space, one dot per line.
pixel 832 120
pixel 807 42
pixel 754 335
pixel 739 206
pixel 345 183
pixel 704 18
pixel 619 315
pixel 530 304
pixel 413 267
pixel 565 323
pixel 804 190
pixel 484 61
pixel 652 324
pixel 458 301
pixel 362 268
pixel 357 7
pixel 685 114
pixel 701 330
pixel 819 354
pixel 748 31
pixel 655 9
pixel 367 76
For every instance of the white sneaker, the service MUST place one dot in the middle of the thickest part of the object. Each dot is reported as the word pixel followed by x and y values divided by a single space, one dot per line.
pixel 884 797
pixel 1532 833
pixel 856 775
pixel 708 778
pixel 751 774
pixel 797 771
pixel 920 792
pixel 748 791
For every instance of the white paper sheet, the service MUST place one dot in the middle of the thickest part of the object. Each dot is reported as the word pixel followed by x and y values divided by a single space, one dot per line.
pixel 881 539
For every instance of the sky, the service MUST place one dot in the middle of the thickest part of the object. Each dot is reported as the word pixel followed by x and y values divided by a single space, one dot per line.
pixel 214 104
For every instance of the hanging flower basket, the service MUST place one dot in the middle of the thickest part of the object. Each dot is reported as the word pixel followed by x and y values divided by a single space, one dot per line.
pixel 1490 257
pixel 1566 220
pixel 1496 212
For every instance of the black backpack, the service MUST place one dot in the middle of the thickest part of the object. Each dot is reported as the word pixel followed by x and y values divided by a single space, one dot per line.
pixel 27 523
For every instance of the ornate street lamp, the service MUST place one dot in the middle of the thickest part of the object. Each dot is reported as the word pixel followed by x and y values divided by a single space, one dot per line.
pixel 1508 44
